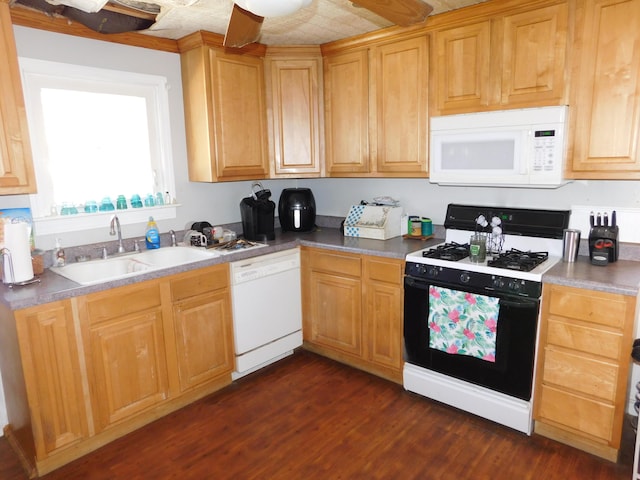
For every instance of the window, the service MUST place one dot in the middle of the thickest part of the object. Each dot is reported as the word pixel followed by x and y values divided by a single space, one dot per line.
pixel 96 133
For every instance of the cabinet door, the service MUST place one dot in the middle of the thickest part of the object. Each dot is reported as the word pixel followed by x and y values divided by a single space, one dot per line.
pixel 16 165
pixel 461 71
pixel 294 98
pixel 534 49
pixel 53 378
pixel 383 297
pixel 125 350
pixel 332 300
pixel 204 340
pixel 239 116
pixel 336 312
pixel 129 366
pixel 605 103
pixel 399 89
pixel 346 80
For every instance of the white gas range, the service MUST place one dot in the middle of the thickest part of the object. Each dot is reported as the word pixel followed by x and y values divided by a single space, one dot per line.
pixel 470 328
pixel 551 246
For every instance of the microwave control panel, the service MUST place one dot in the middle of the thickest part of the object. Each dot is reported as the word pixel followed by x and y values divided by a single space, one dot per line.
pixel 544 150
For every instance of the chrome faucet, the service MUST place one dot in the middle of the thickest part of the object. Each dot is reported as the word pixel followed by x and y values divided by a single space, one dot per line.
pixel 115 225
pixel 173 238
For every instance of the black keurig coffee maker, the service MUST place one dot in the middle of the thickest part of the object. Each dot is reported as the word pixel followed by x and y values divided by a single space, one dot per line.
pixel 297 210
pixel 603 239
pixel 257 213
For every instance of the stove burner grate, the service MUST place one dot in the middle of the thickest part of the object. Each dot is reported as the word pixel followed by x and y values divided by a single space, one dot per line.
pixel 448 251
pixel 515 259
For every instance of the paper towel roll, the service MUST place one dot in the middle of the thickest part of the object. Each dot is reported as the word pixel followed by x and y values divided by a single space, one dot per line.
pixel 16 241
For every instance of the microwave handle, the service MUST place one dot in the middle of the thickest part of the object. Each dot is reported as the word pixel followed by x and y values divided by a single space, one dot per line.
pixel 531 152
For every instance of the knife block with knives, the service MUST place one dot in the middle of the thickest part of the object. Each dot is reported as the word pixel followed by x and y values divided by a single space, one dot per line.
pixel 603 239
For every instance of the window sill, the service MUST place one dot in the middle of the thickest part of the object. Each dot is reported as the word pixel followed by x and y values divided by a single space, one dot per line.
pixel 89 221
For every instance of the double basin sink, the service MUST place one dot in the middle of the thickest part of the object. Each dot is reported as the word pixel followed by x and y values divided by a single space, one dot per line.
pixel 131 264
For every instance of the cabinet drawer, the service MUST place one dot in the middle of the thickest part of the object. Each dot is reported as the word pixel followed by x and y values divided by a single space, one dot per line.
pixel 585 375
pixel 588 416
pixel 588 305
pixel 342 263
pixel 384 270
pixel 191 284
pixel 119 302
pixel 584 338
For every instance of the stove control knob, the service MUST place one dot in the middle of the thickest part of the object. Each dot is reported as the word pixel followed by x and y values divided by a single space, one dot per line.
pixel 465 277
pixel 514 285
pixel 498 282
pixel 432 271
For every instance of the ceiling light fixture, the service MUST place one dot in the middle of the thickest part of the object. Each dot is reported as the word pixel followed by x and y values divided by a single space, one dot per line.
pixel 272 8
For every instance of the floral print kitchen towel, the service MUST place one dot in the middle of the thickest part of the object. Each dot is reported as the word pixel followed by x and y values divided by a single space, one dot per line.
pixel 463 323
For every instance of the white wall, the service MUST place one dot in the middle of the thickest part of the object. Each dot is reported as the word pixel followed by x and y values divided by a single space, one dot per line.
pixel 419 197
pixel 219 203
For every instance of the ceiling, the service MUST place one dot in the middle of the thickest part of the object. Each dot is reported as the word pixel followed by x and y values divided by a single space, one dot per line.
pixel 321 22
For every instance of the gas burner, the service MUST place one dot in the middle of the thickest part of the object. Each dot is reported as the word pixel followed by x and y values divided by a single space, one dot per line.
pixel 515 259
pixel 448 251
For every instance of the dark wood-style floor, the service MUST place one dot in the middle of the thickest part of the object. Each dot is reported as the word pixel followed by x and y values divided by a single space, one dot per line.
pixel 307 417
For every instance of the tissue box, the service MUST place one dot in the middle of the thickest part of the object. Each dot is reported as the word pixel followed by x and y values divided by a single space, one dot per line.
pixel 373 221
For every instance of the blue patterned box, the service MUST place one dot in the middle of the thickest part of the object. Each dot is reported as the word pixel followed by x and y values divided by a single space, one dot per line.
pixel 372 221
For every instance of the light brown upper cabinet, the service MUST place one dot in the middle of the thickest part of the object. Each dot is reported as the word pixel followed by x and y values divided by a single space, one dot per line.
pixel 605 91
pixel 16 165
pixel 376 109
pixel 513 60
pixel 295 116
pixel 346 89
pixel 225 112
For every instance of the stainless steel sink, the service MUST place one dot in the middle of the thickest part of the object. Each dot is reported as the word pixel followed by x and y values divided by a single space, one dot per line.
pixel 129 265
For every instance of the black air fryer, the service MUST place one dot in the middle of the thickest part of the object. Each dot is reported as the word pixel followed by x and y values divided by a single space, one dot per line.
pixel 297 210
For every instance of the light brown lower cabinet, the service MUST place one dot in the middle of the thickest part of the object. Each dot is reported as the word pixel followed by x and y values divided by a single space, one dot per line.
pixel 81 372
pixel 583 365
pixel 352 309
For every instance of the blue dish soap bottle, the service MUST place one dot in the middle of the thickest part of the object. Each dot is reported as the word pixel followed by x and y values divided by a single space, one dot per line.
pixel 152 237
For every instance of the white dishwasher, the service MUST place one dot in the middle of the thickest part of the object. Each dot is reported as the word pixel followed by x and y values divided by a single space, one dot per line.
pixel 267 309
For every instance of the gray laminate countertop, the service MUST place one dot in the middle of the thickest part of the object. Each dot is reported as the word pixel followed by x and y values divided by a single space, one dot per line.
pixel 621 277
pixel 53 287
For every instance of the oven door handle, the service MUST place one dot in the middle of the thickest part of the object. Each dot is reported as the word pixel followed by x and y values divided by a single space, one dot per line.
pixel 520 303
pixel 416 283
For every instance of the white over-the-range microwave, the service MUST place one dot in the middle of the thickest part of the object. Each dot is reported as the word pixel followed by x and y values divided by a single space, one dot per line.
pixel 507 148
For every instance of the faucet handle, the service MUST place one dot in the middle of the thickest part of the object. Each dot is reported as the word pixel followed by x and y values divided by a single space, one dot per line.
pixel 136 246
pixel 173 238
pixel 103 253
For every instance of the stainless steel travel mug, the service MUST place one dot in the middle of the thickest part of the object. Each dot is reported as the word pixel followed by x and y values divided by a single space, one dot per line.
pixel 570 244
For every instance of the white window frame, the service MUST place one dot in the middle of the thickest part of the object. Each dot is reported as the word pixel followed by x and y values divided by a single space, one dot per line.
pixel 37 74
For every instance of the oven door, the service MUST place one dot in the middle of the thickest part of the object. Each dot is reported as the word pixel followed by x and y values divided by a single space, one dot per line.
pixel 512 371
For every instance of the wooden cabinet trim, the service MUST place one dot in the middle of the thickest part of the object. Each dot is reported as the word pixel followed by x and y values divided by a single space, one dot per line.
pixel 132 299
pixel 17 175
pixel 199 282
pixel 335 262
